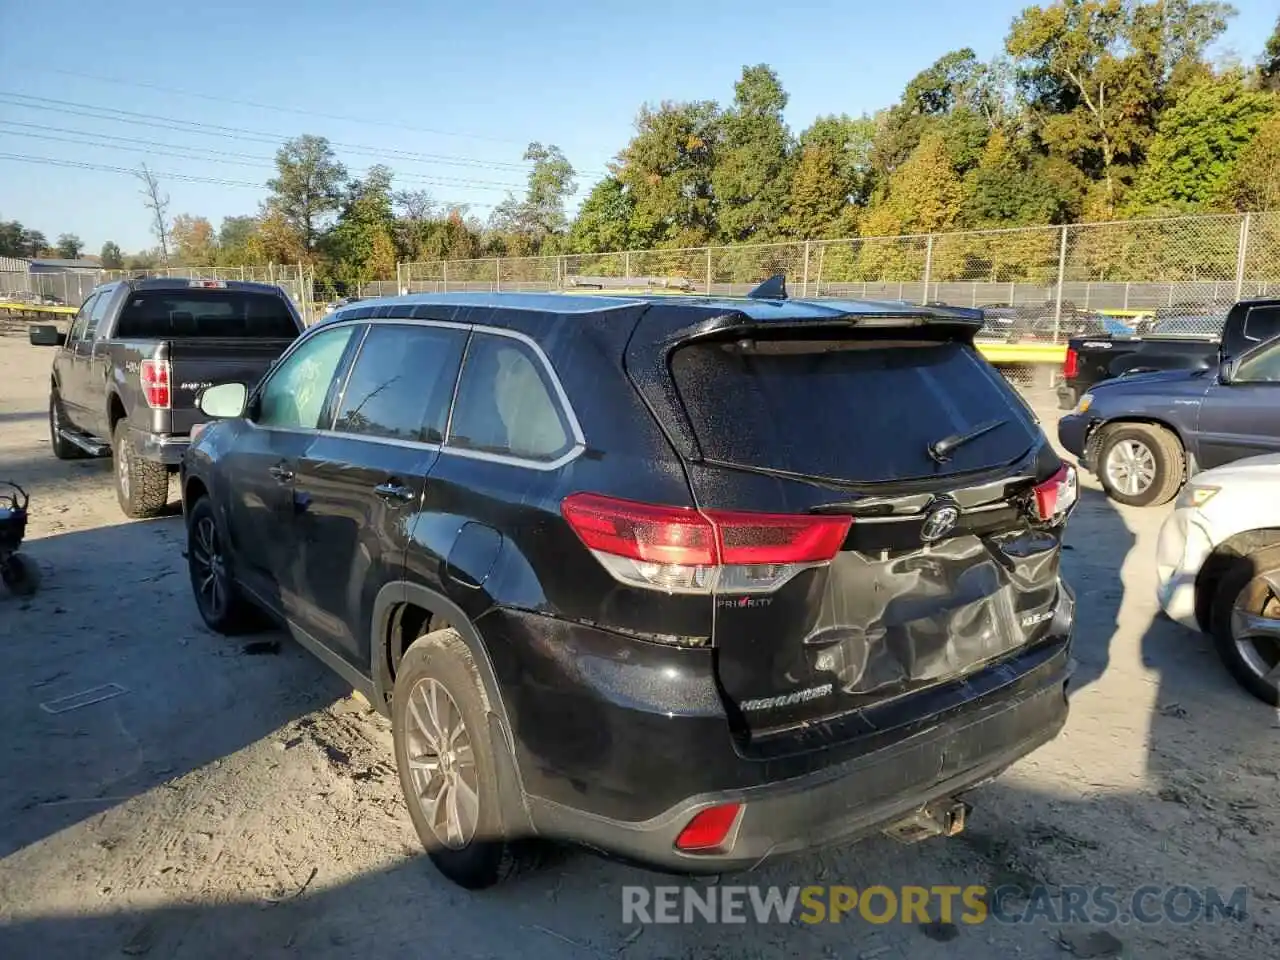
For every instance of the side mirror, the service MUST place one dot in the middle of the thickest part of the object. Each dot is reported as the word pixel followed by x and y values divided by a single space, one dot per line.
pixel 45 335
pixel 223 400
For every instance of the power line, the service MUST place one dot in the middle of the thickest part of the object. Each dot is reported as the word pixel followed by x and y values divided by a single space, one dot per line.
pixel 270 106
pixel 115 115
pixel 183 177
pixel 85 138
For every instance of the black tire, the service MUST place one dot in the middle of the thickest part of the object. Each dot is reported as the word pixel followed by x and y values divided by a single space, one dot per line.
pixel 487 857
pixel 57 420
pixel 142 486
pixel 206 557
pixel 21 575
pixel 1240 584
pixel 1166 455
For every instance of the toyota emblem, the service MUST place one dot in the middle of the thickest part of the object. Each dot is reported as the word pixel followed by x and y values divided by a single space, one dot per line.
pixel 939 521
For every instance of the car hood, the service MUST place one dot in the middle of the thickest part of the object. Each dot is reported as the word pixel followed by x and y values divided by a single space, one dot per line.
pixel 1163 382
pixel 1263 469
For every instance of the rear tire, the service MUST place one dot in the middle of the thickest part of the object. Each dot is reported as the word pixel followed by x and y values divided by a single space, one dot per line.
pixel 62 449
pixel 439 698
pixel 142 486
pixel 1140 464
pixel 1244 585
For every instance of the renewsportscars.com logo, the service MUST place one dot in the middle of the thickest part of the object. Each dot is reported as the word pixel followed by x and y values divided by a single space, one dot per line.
pixel 970 905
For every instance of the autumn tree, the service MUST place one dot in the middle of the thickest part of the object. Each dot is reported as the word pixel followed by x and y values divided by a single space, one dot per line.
pixel 1255 181
pixel 193 240
pixel 667 169
pixel 749 176
pixel 922 196
pixel 307 188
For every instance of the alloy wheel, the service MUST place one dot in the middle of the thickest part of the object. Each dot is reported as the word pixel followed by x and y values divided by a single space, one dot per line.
pixel 1131 467
pixel 1255 627
pixel 208 569
pixel 442 764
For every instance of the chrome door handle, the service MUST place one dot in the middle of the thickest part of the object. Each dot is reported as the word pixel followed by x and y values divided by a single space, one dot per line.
pixel 281 473
pixel 393 491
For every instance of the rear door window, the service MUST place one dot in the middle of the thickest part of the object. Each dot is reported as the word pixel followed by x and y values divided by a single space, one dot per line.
pixel 402 382
pixel 859 410
pixel 181 313
pixel 506 403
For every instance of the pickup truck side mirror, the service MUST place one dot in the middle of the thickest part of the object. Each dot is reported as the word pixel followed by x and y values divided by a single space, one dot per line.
pixel 223 400
pixel 45 335
pixel 1227 370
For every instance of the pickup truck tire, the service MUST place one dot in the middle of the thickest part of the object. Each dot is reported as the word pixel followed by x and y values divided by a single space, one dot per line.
pixel 1249 585
pixel 439 699
pixel 142 487
pixel 1160 455
pixel 62 449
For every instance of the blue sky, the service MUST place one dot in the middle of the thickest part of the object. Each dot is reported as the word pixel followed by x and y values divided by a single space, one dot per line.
pixel 469 82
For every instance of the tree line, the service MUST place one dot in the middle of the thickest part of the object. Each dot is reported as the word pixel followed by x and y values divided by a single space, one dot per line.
pixel 1094 110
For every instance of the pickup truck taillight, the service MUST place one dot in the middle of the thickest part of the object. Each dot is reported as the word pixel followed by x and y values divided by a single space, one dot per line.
pixel 1070 364
pixel 155 383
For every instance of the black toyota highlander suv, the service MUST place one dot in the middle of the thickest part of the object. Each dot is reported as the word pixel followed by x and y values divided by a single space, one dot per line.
pixel 694 582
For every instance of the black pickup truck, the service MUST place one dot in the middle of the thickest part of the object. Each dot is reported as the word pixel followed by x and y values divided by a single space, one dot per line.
pixel 1179 339
pixel 125 377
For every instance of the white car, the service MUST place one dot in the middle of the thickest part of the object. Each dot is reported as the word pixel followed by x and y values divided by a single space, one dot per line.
pixel 1218 567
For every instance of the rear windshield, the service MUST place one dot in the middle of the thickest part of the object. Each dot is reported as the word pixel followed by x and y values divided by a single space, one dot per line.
pixel 858 411
pixel 169 314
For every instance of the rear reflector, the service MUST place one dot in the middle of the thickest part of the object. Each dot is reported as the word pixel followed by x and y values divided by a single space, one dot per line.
pixel 1071 364
pixel 709 831
pixel 154 375
pixel 1057 495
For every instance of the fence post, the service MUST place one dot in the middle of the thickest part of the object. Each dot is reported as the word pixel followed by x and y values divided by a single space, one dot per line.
pixel 1126 295
pixel 497 273
pixel 708 271
pixel 444 276
pixel 806 269
pixel 626 264
pixel 1242 254
pixel 1062 270
pixel 928 268
pixel 399 283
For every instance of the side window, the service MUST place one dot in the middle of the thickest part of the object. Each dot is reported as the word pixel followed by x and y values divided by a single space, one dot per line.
pixel 81 320
pixel 402 383
pixel 1262 323
pixel 506 405
pixel 294 395
pixel 1260 367
pixel 99 311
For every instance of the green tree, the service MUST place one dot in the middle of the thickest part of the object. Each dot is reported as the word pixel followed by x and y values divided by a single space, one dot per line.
pixel 849 141
pixel 69 246
pixel 11 232
pixel 749 179
pixel 193 240
pixel 111 257
pixel 819 203
pixel 33 244
pixel 360 242
pixel 667 168
pixel 1008 188
pixel 1255 181
pixel 603 222
pixel 924 195
pixel 307 186
pixel 531 222
pixel 1269 64
pixel 236 232
pixel 1191 161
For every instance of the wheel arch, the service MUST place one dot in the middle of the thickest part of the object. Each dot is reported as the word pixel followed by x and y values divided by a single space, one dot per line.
pixel 401 599
pixel 115 411
pixel 1219 562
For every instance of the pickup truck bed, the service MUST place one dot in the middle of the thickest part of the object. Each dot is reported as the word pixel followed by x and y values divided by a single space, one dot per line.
pixel 127 376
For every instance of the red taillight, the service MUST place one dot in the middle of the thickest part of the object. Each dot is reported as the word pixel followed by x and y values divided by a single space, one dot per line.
pixel 154 375
pixel 1057 495
pixel 709 830
pixel 688 537
pixel 1070 364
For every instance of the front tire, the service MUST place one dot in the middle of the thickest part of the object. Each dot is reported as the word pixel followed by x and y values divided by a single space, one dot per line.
pixel 142 486
pixel 222 606
pixel 62 449
pixel 447 766
pixel 1246 622
pixel 1140 464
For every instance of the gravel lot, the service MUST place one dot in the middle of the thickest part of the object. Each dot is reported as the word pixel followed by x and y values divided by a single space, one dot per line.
pixel 235 801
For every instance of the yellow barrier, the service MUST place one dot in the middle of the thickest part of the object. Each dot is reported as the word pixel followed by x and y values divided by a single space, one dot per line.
pixel 37 308
pixel 1023 352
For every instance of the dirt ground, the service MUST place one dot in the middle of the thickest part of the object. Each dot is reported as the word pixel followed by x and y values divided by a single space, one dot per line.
pixel 233 800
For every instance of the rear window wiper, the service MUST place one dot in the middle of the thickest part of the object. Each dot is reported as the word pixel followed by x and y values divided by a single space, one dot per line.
pixel 940 450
